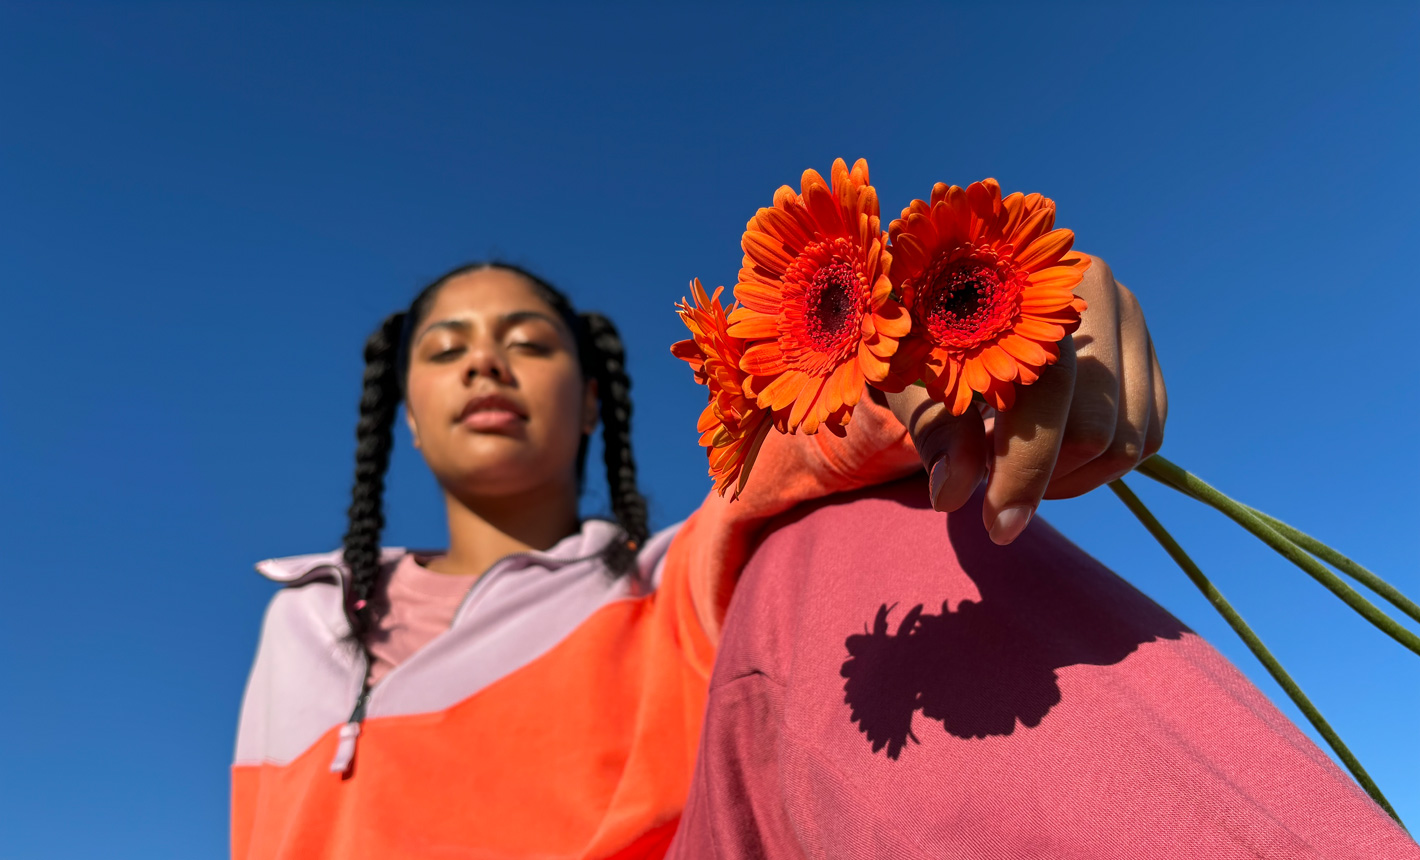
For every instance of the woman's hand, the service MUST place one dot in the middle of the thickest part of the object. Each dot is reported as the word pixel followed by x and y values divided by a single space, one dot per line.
pixel 1090 418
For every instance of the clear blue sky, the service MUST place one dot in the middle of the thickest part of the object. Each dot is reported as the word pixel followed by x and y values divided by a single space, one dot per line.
pixel 205 208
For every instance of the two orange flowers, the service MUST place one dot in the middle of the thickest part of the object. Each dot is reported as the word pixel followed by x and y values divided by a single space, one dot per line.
pixel 968 293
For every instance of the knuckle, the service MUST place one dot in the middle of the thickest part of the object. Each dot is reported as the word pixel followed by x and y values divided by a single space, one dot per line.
pixel 1122 456
pixel 1099 268
pixel 1026 473
pixel 1088 438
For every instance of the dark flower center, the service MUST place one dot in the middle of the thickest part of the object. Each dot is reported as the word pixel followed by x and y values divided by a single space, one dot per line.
pixel 831 302
pixel 964 303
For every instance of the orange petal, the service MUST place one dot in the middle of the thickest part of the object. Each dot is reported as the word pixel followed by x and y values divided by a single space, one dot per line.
pixel 763 359
pixel 1045 251
pixel 766 250
pixel 860 171
pixel 759 297
pixel 950 230
pixel 782 226
pixel 1024 349
pixel 824 209
pixel 810 179
pixel 1002 396
pixel 782 391
pixel 1032 227
pixel 1031 328
pixel 961 399
pixel 1013 206
pixel 892 320
pixel 1056 277
pixel 921 227
pixel 748 323
pixel 839 176
pixel 974 372
pixel 1044 300
pixel 960 208
pixel 874 368
pixel 808 393
pixel 998 363
pixel 909 257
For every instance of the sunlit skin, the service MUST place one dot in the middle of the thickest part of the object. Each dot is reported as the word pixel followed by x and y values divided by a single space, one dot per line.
pixel 508 474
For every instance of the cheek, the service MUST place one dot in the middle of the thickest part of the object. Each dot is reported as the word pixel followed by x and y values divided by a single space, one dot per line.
pixel 557 401
pixel 427 402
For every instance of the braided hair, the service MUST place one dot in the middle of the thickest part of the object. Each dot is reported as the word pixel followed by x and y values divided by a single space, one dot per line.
pixel 601 356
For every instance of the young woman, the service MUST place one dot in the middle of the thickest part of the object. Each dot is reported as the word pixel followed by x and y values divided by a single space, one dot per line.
pixel 539 687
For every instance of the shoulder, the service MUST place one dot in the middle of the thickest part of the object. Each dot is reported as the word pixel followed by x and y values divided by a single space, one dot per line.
pixel 651 558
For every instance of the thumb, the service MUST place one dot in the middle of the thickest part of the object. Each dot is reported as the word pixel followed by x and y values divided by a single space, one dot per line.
pixel 952 447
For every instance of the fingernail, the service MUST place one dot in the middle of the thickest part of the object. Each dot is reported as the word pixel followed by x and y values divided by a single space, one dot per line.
pixel 1010 523
pixel 937 478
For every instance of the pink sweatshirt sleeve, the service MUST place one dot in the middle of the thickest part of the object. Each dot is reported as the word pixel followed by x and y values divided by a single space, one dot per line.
pixel 892 684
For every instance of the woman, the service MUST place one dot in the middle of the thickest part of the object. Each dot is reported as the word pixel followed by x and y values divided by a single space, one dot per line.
pixel 538 688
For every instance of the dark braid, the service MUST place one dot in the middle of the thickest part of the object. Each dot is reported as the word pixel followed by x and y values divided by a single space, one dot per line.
pixel 614 386
pixel 374 435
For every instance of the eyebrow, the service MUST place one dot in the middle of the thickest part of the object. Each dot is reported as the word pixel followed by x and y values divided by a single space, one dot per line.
pixel 504 321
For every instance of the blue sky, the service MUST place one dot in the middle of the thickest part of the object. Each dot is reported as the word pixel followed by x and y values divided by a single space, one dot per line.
pixel 205 208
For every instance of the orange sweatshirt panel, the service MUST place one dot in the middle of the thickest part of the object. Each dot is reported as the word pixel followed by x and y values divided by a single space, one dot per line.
pixel 599 735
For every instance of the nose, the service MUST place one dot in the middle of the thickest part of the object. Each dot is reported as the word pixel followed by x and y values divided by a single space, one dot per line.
pixel 486 360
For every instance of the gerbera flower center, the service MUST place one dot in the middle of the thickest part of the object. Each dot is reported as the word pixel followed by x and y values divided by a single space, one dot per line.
pixel 831 300
pixel 964 303
pixel 825 297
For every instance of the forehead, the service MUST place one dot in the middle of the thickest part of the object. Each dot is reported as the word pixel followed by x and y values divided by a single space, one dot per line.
pixel 486 292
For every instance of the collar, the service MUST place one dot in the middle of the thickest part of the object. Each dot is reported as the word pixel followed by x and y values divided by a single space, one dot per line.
pixel 585 543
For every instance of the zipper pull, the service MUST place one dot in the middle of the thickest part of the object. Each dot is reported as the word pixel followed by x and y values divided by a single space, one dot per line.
pixel 345 749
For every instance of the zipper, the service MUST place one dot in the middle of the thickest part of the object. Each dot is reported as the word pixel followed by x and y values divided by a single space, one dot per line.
pixel 350 731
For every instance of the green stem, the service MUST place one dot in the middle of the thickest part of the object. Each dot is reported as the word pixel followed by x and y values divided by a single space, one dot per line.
pixel 1253 643
pixel 1342 563
pixel 1167 473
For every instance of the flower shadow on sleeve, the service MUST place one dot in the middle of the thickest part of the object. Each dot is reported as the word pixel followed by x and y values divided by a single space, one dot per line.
pixel 986 666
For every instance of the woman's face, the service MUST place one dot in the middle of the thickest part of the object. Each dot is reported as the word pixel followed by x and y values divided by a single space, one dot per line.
pixel 495 397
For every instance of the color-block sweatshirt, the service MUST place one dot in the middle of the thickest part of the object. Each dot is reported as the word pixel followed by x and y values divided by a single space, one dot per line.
pixel 559 715
pixel 886 683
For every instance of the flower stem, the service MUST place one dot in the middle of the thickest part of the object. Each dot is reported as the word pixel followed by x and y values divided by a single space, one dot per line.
pixel 1171 475
pixel 1342 563
pixel 1253 643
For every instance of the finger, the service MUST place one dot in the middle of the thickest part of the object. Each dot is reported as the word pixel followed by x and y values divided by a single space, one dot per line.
pixel 1135 394
pixel 1154 438
pixel 1026 441
pixel 952 447
pixel 1095 405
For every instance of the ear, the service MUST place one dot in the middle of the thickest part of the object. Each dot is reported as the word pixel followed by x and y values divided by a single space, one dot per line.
pixel 413 428
pixel 591 407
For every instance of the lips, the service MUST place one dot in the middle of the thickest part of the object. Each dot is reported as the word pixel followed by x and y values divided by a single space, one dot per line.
pixel 492 412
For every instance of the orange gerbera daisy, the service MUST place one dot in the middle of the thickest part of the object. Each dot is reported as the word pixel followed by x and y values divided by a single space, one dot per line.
pixel 990 284
pixel 816 304
pixel 732 426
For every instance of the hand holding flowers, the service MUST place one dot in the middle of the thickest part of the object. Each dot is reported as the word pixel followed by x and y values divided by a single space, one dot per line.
pixel 970 303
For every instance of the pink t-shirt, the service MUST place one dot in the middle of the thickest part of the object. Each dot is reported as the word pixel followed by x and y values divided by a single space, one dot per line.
pixel 421 605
